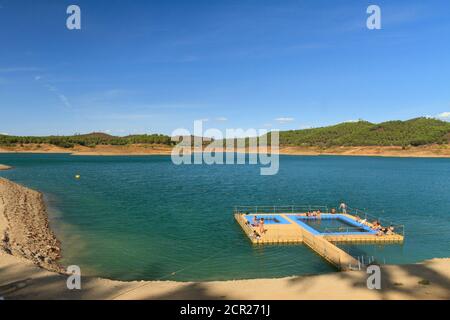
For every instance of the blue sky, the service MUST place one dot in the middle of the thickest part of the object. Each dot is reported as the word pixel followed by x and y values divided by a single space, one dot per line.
pixel 154 66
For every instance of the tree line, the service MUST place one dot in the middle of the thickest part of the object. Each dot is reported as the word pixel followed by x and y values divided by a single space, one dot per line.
pixel 88 140
pixel 414 132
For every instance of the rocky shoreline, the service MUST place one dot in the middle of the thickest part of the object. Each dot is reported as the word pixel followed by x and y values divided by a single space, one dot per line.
pixel 24 226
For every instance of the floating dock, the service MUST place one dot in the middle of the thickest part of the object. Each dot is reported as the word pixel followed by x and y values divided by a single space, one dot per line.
pixel 320 232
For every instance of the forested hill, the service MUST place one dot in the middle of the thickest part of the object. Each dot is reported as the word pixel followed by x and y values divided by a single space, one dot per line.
pixel 414 132
pixel 88 140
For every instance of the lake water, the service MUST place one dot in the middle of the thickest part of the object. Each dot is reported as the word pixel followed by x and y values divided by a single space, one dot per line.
pixel 145 218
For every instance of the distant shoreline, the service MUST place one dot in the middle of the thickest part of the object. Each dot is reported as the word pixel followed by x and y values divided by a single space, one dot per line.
pixel 428 151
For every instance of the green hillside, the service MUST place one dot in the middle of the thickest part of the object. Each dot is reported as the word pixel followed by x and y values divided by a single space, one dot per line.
pixel 89 140
pixel 414 132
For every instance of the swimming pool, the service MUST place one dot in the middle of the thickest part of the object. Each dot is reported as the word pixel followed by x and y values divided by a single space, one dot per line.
pixel 268 219
pixel 332 224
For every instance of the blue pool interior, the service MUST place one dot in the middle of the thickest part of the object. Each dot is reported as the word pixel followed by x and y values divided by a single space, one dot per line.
pixel 275 219
pixel 332 224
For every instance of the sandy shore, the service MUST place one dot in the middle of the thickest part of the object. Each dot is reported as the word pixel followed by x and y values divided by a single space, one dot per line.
pixel 24 228
pixel 20 279
pixel 430 151
pixel 99 150
pixel 3 167
pixel 29 255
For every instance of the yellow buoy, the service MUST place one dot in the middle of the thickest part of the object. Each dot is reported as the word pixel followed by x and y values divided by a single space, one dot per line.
pixel 77 176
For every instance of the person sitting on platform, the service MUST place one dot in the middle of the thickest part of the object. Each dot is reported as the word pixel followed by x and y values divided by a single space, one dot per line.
pixel 256 235
pixel 376 226
pixel 390 229
pixel 255 222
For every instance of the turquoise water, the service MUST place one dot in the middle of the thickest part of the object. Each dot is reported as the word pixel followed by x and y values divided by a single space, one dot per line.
pixel 145 218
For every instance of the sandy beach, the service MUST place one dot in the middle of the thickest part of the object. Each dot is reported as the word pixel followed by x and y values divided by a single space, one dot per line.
pixel 3 167
pixel 24 227
pixel 429 151
pixel 21 279
pixel 29 269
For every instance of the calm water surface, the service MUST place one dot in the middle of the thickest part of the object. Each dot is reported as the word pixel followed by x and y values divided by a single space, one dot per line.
pixel 145 218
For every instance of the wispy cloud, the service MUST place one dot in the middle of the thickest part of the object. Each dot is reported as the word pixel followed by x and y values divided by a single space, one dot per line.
pixel 63 98
pixel 123 116
pixel 283 120
pixel 103 96
pixel 221 119
pixel 19 69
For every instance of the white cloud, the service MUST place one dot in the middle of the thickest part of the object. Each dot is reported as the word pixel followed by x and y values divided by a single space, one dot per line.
pixel 284 120
pixel 221 119
pixel 4 134
pixel 444 115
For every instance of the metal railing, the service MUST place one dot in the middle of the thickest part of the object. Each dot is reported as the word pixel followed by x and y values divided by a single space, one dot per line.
pixel 370 218
pixel 279 209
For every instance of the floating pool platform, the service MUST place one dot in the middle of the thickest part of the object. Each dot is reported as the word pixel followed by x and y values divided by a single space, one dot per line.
pixel 287 225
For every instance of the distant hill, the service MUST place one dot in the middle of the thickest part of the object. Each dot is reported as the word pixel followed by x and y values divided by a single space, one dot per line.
pixel 414 132
pixel 89 140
